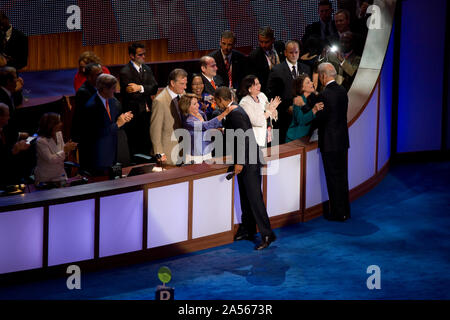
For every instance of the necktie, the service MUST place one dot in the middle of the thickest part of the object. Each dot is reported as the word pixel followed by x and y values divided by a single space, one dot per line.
pixel 272 58
pixel 213 84
pixel 230 76
pixel 107 109
pixel 294 72
pixel 327 29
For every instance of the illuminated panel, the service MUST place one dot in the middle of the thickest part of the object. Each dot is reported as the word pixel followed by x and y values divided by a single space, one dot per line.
pixel 21 236
pixel 168 214
pixel 211 206
pixel 71 232
pixel 121 218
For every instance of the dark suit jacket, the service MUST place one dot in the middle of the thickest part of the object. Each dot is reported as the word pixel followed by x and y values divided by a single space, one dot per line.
pixel 247 152
pixel 102 151
pixel 16 50
pixel 239 67
pixel 332 120
pixel 280 83
pixel 314 30
pixel 82 96
pixel 208 86
pixel 136 101
pixel 259 66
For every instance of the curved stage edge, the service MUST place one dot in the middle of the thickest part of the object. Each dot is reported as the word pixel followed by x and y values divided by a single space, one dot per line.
pixel 195 207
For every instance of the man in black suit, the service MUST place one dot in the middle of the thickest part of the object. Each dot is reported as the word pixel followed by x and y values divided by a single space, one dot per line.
pixel 86 91
pixel 325 28
pixel 211 80
pixel 334 142
pixel 137 85
pixel 268 54
pixel 247 166
pixel 280 84
pixel 103 120
pixel 231 64
pixel 13 44
pixel 11 92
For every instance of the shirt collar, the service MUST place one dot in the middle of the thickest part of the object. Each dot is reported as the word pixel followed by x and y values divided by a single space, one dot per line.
pixel 135 65
pixel 209 79
pixel 330 82
pixel 290 65
pixel 173 95
pixel 7 91
pixel 101 98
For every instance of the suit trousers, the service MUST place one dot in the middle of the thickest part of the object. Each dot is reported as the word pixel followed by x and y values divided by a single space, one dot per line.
pixel 254 211
pixel 335 165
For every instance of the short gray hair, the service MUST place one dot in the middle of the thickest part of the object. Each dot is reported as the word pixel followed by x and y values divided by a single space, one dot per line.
pixel 105 81
pixel 327 69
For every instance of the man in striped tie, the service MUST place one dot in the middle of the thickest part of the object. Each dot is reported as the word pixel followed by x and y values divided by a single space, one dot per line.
pixel 231 64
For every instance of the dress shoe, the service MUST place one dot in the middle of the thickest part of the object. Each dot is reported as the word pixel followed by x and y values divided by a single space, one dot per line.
pixel 266 241
pixel 244 236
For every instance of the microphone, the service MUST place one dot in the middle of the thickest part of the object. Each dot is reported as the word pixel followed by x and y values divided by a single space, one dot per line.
pixel 231 173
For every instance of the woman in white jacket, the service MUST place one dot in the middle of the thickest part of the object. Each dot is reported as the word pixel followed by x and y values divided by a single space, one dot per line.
pixel 260 111
pixel 51 150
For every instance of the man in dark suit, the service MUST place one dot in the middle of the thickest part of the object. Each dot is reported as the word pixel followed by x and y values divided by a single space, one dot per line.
pixel 137 85
pixel 231 64
pixel 84 93
pixel 13 44
pixel 268 54
pixel 103 120
pixel 280 84
pixel 334 142
pixel 247 166
pixel 11 93
pixel 325 28
pixel 211 80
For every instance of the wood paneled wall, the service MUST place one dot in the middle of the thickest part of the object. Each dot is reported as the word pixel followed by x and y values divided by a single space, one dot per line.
pixel 61 51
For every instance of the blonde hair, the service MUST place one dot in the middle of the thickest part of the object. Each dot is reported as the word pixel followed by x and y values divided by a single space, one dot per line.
pixel 185 102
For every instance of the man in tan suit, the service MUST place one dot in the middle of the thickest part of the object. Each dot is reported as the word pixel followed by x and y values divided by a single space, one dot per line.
pixel 166 117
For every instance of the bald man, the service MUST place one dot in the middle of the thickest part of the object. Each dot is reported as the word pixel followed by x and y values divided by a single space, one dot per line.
pixel 334 142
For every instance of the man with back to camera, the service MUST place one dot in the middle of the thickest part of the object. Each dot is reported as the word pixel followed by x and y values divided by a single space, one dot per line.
pixel 247 159
pixel 334 142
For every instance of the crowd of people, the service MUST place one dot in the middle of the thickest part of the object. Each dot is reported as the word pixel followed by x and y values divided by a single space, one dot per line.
pixel 281 88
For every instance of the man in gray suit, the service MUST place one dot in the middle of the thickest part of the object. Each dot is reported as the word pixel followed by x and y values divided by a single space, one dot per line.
pixel 166 117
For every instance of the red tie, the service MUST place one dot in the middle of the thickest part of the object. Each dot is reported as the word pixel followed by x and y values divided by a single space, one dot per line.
pixel 107 109
pixel 213 84
pixel 228 66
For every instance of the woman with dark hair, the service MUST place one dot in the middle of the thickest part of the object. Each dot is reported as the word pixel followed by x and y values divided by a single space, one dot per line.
pixel 197 87
pixel 195 121
pixel 51 150
pixel 260 111
pixel 304 108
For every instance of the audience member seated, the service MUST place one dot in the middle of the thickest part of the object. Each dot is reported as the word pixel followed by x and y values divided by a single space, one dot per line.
pixel 260 111
pixel 103 121
pixel 13 152
pixel 84 59
pixel 325 28
pixel 51 151
pixel 268 54
pixel 196 123
pixel 231 64
pixel 196 87
pixel 13 44
pixel 304 108
pixel 345 60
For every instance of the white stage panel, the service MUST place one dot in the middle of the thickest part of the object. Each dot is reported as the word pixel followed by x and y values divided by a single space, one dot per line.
pixel 121 218
pixel 71 232
pixel 21 239
pixel 283 185
pixel 168 214
pixel 211 206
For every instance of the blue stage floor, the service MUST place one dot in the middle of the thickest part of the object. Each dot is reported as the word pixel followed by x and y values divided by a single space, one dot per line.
pixel 402 226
